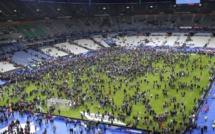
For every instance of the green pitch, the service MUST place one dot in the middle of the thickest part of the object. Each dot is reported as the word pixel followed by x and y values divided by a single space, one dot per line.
pixel 138 109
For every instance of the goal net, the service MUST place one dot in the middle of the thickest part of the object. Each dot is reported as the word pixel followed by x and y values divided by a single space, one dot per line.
pixel 59 103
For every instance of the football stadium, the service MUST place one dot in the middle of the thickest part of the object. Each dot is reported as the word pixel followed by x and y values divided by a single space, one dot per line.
pixel 107 66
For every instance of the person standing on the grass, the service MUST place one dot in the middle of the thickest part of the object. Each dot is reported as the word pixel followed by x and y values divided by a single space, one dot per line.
pixel 59 111
pixel 162 126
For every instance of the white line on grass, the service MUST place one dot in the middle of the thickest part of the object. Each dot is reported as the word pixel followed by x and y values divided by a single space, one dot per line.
pixel 193 91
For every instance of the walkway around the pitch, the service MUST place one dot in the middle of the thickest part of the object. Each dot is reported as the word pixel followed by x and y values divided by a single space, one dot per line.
pixel 201 122
pixel 77 125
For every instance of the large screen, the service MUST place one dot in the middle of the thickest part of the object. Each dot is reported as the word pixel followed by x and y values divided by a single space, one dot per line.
pixel 187 1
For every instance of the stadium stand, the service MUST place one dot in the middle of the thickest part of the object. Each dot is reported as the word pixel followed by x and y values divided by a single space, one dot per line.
pixel 7 67
pixel 53 52
pixel 100 40
pixel 87 43
pixel 72 48
pixel 38 54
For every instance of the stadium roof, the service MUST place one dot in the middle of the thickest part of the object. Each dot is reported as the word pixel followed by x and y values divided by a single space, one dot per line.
pixel 102 1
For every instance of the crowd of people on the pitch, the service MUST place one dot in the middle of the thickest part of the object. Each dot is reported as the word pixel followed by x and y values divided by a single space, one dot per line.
pixel 121 66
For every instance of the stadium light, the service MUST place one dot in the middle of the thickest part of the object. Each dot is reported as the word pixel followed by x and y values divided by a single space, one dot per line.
pixel 104 8
pixel 151 7
pixel 200 5
pixel 127 7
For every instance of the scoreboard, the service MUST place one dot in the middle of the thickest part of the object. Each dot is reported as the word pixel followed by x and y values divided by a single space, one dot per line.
pixel 189 2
